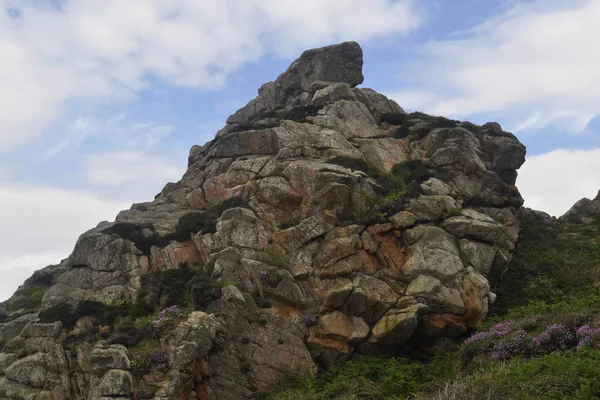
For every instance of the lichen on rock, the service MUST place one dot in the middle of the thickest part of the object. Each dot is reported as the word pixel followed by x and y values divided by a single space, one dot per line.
pixel 322 221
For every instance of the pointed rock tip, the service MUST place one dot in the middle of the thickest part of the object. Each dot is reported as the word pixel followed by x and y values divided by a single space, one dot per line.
pixel 341 62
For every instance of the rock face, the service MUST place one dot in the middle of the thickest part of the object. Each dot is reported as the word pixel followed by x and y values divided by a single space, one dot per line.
pixel 335 223
pixel 584 210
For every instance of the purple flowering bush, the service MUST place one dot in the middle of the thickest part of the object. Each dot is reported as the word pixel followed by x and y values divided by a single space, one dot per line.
pixel 167 317
pixel 160 358
pixel 586 336
pixel 309 320
pixel 508 340
pixel 483 342
pixel 555 337
pixel 518 344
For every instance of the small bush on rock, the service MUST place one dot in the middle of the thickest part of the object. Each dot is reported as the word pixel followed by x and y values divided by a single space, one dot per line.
pixel 28 298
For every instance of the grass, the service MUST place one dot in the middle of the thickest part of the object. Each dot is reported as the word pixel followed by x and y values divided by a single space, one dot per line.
pixel 364 378
pixel 27 298
pixel 554 261
pixel 565 375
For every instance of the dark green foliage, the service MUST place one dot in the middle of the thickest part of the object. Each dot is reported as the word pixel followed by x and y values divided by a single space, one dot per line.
pixel 406 124
pixel 185 286
pixel 63 312
pixel 135 234
pixel 554 261
pixel 27 297
pixel 206 221
pixel 190 223
pixel 563 375
pixel 368 378
pixel 144 391
pixel 471 127
pixel 91 308
pixel 290 223
pixel 414 170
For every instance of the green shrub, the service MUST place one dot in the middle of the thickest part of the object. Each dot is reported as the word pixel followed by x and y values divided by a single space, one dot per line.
pixel 565 375
pixel 190 223
pixel 553 262
pixel 28 298
pixel 368 377
pixel 206 221
pixel 184 287
pixel 63 312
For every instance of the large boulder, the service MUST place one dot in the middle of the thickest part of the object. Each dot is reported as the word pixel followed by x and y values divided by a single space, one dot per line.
pixel 323 221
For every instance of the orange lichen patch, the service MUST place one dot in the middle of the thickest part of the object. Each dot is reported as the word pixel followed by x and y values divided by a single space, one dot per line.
pixel 332 344
pixel 286 312
pixel 440 324
pixel 370 263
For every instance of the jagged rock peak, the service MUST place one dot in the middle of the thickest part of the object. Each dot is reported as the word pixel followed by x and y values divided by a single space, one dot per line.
pixel 321 222
pixel 584 209
pixel 340 63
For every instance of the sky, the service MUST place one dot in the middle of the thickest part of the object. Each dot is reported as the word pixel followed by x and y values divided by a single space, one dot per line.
pixel 100 101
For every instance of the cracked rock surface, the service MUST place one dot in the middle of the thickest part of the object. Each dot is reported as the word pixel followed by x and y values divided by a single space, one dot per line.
pixel 356 228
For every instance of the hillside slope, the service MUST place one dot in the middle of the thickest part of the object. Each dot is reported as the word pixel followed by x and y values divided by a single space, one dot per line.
pixel 322 222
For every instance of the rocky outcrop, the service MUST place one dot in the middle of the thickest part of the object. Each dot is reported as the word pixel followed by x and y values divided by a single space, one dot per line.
pixel 334 224
pixel 585 210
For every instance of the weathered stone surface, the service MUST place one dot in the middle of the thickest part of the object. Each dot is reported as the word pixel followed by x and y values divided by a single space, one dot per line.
pixel 322 257
pixel 403 220
pixel 104 359
pixel 116 383
pixel 397 326
pixel 232 294
pixel 28 371
pixel 433 252
pixel 337 325
pixel 338 292
pixel 584 208
pixel 50 330
pixel 371 298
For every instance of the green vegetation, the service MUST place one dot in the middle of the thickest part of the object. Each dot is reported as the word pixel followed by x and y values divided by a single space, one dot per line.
pixel 186 287
pixel 5 396
pixel 563 375
pixel 554 262
pixel 365 378
pixel 27 298
pixel 190 223
pixel 392 188
pixel 408 124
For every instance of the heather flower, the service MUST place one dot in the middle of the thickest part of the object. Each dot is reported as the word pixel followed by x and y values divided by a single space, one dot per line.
pixel 160 358
pixel 555 337
pixel 483 342
pixel 270 275
pixel 586 335
pixel 309 320
pixel 517 344
pixel 166 315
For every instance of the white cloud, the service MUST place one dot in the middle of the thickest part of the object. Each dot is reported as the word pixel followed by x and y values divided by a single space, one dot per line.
pixel 40 226
pixel 131 174
pixel 554 181
pixel 534 60
pixel 55 53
